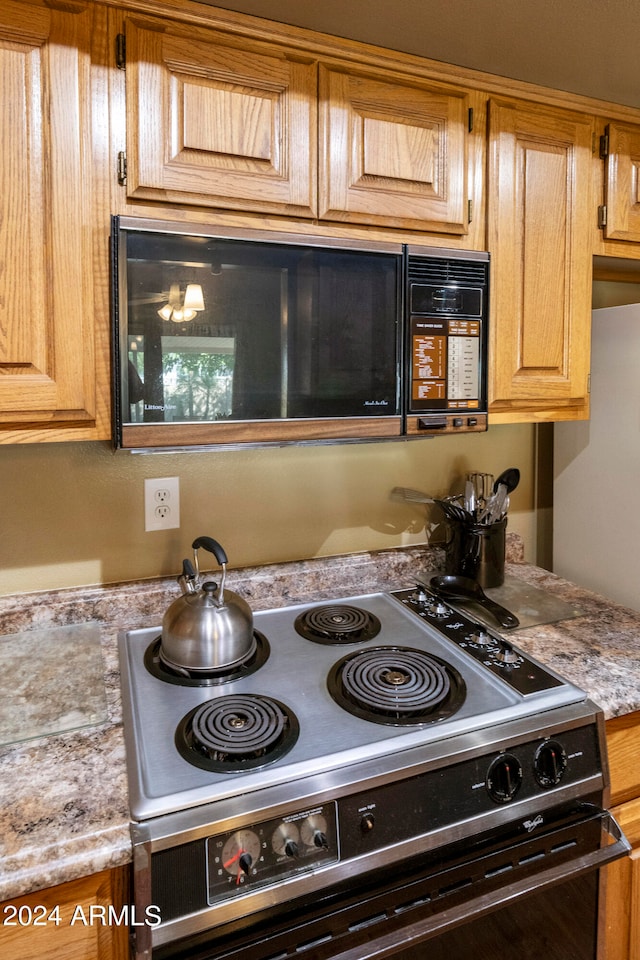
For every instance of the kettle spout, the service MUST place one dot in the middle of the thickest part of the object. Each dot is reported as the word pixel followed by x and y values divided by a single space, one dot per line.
pixel 187 578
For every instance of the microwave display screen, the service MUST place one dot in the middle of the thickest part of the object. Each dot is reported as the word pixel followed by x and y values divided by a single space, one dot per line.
pixel 214 329
pixel 447 300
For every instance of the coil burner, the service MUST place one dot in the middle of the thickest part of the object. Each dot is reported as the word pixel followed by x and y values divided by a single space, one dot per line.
pixel 337 623
pixel 396 685
pixel 158 667
pixel 236 733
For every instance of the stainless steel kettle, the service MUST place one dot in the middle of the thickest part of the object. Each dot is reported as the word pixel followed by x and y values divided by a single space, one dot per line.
pixel 210 628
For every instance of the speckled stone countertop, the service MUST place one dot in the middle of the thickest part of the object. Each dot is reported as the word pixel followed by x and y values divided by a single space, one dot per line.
pixel 63 797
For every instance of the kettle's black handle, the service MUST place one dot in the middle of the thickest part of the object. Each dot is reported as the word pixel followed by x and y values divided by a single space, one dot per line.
pixel 208 543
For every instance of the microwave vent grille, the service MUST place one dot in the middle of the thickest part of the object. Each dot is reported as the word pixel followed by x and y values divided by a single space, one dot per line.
pixel 438 270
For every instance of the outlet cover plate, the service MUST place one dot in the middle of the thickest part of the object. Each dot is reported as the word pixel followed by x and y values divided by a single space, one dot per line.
pixel 162 503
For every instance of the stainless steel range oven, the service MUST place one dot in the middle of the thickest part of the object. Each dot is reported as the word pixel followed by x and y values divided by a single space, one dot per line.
pixel 383 776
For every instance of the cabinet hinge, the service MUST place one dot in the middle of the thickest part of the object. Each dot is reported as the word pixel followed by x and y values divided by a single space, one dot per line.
pixel 588 383
pixel 469 211
pixel 604 145
pixel 121 51
pixel 602 215
pixel 122 168
pixel 470 119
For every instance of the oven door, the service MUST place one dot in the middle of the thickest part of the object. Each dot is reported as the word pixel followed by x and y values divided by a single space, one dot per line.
pixel 508 895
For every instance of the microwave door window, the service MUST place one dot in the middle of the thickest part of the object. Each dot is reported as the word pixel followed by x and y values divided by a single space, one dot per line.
pixel 224 364
pixel 257 302
pixel 176 366
pixel 222 330
pixel 343 336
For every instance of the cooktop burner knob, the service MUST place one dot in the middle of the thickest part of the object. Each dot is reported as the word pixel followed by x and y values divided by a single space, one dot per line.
pixel 504 778
pixel 420 595
pixel 481 638
pixel 550 763
pixel 438 609
pixel 506 654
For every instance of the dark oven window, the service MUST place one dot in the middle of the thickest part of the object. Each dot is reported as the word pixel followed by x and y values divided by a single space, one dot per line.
pixel 556 924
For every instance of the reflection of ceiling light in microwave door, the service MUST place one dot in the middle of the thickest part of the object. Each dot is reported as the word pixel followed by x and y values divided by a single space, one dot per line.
pixel 179 309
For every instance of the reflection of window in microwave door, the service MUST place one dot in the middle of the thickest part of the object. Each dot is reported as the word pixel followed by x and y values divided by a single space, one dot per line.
pixel 197 377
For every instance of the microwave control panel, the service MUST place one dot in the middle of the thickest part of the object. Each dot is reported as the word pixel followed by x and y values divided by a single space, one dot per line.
pixel 446 345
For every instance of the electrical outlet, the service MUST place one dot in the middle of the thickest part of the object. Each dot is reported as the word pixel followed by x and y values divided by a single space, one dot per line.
pixel 162 503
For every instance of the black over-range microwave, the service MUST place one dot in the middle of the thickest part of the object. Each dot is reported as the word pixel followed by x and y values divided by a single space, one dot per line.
pixel 233 336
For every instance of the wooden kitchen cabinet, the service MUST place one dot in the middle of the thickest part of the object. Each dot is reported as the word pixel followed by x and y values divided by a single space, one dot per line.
pixel 50 350
pixel 538 215
pixel 70 921
pixel 620 928
pixel 622 891
pixel 230 119
pixel 393 152
pixel 620 216
pixel 221 121
pixel 215 121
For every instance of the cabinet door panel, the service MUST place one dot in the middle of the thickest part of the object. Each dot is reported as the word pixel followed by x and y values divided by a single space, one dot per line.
pixel 620 931
pixel 393 153
pixel 214 125
pixel 538 220
pixel 47 365
pixel 622 183
pixel 70 921
pixel 229 124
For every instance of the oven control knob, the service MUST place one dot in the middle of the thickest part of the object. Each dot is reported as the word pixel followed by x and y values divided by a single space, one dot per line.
pixel 285 840
pixel 240 852
pixel 313 831
pixel 291 848
pixel 504 778
pixel 550 763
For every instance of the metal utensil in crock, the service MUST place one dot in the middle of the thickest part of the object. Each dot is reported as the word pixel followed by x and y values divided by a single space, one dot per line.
pixel 210 628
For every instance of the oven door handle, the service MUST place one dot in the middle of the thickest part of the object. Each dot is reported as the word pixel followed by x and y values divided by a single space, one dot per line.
pixel 615 845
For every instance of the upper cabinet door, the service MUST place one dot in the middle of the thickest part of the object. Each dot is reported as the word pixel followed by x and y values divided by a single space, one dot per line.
pixel 393 153
pixel 539 228
pixel 622 182
pixel 47 348
pixel 213 124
